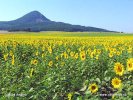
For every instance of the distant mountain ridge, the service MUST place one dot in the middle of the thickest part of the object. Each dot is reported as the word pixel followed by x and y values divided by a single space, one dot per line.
pixel 34 16
pixel 35 21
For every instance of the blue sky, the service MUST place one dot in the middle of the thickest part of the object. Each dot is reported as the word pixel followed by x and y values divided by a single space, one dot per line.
pixel 116 15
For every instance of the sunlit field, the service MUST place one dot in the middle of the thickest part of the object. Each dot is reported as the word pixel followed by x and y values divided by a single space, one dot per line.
pixel 66 66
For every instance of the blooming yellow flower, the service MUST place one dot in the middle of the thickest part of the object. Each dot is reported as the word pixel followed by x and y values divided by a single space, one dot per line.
pixel 50 63
pixel 13 60
pixel 116 82
pixel 92 54
pixel 62 64
pixel 56 57
pixel 76 56
pixel 43 48
pixel 10 53
pixel 37 53
pixel 62 54
pixel 50 49
pixel 118 53
pixel 97 57
pixel 31 72
pixel 99 51
pixel 110 54
pixel 82 55
pixel 5 57
pixel 34 62
pixel 68 50
pixel 65 55
pixel 43 55
pixel 93 88
pixel 129 50
pixel 69 96
pixel 119 69
pixel 71 54
pixel 130 64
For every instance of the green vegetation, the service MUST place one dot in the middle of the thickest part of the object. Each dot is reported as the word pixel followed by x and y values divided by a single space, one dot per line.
pixel 69 34
pixel 66 66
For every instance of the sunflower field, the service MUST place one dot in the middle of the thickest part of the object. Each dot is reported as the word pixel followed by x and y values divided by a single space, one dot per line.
pixel 57 67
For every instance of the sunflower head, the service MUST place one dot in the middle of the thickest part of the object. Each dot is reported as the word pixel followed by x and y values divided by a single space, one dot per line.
pixel 5 57
pixel 76 56
pixel 31 72
pixel 71 54
pixel 116 82
pixel 110 54
pixel 93 88
pixel 57 58
pixel 130 64
pixel 82 55
pixel 119 69
pixel 50 63
pixel 13 60
pixel 70 96
pixel 34 62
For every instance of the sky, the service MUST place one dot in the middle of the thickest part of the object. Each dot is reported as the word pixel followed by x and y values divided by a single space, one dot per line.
pixel 115 15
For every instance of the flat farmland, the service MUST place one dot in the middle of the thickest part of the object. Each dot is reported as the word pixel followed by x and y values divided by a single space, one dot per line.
pixel 66 66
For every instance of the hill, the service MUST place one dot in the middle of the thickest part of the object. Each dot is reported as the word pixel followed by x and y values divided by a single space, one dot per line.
pixel 35 21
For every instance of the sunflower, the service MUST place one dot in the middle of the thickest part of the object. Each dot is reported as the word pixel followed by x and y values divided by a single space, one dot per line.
pixel 43 55
pixel 93 88
pixel 31 72
pixel 82 55
pixel 130 64
pixel 116 82
pixel 92 54
pixel 68 50
pixel 62 64
pixel 76 56
pixel 72 54
pixel 65 55
pixel 119 69
pixel 50 63
pixel 57 58
pixel 5 57
pixel 37 53
pixel 13 60
pixel 50 50
pixel 34 62
pixel 97 57
pixel 70 96
pixel 110 54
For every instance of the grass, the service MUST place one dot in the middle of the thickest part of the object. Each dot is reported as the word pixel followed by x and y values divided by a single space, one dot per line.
pixel 68 34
